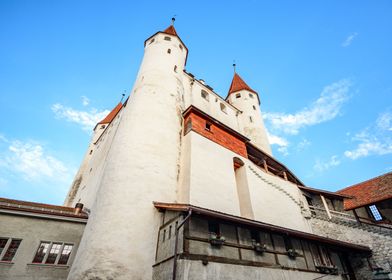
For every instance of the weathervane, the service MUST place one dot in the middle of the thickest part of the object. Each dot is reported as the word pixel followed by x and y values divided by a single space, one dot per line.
pixel 122 96
pixel 173 19
pixel 234 65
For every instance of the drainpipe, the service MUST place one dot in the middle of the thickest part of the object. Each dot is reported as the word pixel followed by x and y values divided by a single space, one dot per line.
pixel 78 208
pixel 176 244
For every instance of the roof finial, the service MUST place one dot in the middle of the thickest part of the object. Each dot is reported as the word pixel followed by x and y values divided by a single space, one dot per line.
pixel 122 96
pixel 173 20
pixel 234 65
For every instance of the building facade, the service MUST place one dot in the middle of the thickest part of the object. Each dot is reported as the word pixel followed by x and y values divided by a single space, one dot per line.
pixel 180 183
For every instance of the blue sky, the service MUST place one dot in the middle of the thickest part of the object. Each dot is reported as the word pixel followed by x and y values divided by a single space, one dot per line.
pixel 322 69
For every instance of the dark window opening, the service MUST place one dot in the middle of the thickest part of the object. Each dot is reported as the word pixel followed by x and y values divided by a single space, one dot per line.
pixel 254 107
pixel 168 50
pixel 208 126
pixel 213 227
pixel 255 236
pixel 238 95
pixel 167 38
pixel 152 41
pixel 175 68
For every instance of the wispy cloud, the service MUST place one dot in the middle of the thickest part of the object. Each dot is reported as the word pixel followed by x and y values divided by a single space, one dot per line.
pixel 86 119
pixel 325 108
pixel 281 142
pixel 373 140
pixel 31 161
pixel 325 165
pixel 85 100
pixel 303 144
pixel 349 39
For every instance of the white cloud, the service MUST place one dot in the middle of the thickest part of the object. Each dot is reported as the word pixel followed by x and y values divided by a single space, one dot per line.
pixel 85 100
pixel 33 163
pixel 281 142
pixel 325 108
pixel 303 144
pixel 87 119
pixel 323 166
pixel 347 42
pixel 374 140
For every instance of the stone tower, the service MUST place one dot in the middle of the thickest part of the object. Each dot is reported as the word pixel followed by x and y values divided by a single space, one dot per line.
pixel 139 158
pixel 248 101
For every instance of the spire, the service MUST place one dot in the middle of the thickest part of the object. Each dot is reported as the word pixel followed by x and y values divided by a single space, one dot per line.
pixel 112 114
pixel 238 84
pixel 171 30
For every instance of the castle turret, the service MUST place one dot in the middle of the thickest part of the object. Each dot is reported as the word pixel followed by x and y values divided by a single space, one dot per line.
pixel 141 166
pixel 247 100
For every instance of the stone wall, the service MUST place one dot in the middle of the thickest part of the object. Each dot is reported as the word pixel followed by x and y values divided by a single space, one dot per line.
pixel 377 238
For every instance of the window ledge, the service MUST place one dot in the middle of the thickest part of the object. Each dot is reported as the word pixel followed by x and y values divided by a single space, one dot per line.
pixel 6 263
pixel 49 265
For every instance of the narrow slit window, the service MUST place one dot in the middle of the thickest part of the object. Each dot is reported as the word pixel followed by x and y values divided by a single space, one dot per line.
pixel 152 41
pixel 164 235
pixel 250 119
pixel 180 46
pixel 175 68
pixel 170 229
pixel 254 107
pixel 208 126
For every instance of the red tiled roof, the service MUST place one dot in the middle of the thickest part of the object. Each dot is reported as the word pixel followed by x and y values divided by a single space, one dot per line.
pixel 171 30
pixel 238 84
pixel 112 114
pixel 41 208
pixel 368 192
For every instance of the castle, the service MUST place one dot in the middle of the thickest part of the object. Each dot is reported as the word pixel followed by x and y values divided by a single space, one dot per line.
pixel 179 183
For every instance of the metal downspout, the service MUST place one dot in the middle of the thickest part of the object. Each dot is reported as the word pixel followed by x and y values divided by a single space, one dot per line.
pixel 176 244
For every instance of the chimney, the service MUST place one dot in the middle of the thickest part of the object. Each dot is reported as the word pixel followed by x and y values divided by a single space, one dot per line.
pixel 78 208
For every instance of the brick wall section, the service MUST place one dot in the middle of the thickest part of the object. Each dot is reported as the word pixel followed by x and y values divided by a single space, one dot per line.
pixel 216 134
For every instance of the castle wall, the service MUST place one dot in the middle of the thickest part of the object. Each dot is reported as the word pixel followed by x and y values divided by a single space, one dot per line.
pixel 275 200
pixel 142 166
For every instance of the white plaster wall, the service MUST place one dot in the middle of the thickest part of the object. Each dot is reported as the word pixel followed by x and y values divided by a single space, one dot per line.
pixel 141 167
pixel 212 178
pixel 91 168
pixel 255 129
pixel 212 105
pixel 274 206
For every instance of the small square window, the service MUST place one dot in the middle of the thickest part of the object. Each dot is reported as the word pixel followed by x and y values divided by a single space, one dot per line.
pixel 204 94
pixel 238 95
pixel 208 126
pixel 167 38
pixel 223 108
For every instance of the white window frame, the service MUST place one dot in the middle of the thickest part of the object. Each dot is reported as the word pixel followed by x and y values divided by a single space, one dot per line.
pixel 6 247
pixel 43 262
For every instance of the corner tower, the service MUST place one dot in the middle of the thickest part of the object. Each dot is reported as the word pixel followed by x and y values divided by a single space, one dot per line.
pixel 247 100
pixel 139 167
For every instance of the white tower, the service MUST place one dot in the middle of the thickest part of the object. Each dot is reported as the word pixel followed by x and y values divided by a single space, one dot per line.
pixel 141 166
pixel 247 100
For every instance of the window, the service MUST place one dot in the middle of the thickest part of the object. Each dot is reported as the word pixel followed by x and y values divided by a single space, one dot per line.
pixel 223 108
pixel 375 213
pixel 208 126
pixel 250 119
pixel 103 126
pixel 204 94
pixel 170 232
pixel 254 235
pixel 175 68
pixel 8 248
pixel 180 46
pixel 254 107
pixel 167 38
pixel 238 95
pixel 168 50
pixel 213 227
pixel 53 253
pixel 250 95
pixel 152 41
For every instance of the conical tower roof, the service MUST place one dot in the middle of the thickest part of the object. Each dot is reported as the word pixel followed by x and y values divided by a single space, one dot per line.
pixel 238 84
pixel 112 114
pixel 171 30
